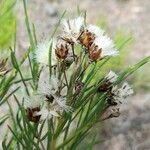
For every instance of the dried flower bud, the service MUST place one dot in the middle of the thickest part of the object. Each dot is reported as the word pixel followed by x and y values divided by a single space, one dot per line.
pixel 107 82
pixel 111 112
pixel 115 113
pixel 78 87
pixel 111 101
pixel 62 51
pixel 3 69
pixel 30 112
pixel 72 29
pixel 104 87
pixel 49 98
pixel 68 61
pixel 86 38
pixel 94 53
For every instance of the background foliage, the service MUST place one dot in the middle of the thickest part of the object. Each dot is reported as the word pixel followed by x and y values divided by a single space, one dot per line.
pixel 7 22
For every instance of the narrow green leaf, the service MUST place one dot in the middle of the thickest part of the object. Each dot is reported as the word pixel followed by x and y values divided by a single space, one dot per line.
pixel 28 25
pixel 17 138
pixel 53 33
pixel 17 67
pixel 50 58
pixel 3 119
pixel 6 98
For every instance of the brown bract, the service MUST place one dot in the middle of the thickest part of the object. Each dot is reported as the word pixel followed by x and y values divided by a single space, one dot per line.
pixel 62 51
pixel 49 98
pixel 94 52
pixel 86 38
pixel 104 87
pixel 67 40
pixel 3 69
pixel 78 87
pixel 30 112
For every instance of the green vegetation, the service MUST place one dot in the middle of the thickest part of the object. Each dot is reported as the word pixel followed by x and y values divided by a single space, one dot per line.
pixel 7 22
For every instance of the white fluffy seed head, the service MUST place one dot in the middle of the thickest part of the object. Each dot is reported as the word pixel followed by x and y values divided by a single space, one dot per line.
pixel 106 45
pixel 46 113
pixel 72 28
pixel 47 87
pixel 42 53
pixel 33 102
pixel 126 90
pixel 95 30
pixel 54 109
pixel 123 92
pixel 112 76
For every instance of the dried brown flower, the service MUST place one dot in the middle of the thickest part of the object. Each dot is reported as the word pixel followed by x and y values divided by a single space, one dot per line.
pixel 62 50
pixel 3 69
pixel 86 38
pixel 94 52
pixel 30 112
pixel 78 87
pixel 111 112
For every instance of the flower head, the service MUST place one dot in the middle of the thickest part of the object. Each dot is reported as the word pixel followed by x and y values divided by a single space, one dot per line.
pixel 111 77
pixel 86 38
pixel 47 112
pixel 118 94
pixel 111 112
pixel 72 29
pixel 62 49
pixel 95 30
pixel 125 90
pixel 97 43
pixel 89 34
pixel 53 108
pixel 32 107
pixel 48 102
pixel 94 52
pixel 106 46
pixel 48 87
pixel 115 97
pixel 54 102
pixel 108 80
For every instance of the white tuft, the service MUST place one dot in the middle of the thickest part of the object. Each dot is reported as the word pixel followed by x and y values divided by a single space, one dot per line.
pixel 72 28
pixel 121 93
pixel 107 46
pixel 61 102
pixel 47 113
pixel 32 102
pixel 112 76
pixel 48 87
pixel 95 29
pixel 42 53
pixel 126 90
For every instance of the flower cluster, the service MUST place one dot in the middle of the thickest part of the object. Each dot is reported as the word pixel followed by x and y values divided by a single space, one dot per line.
pixel 60 87
pixel 93 40
pixel 115 95
pixel 51 99
pixel 48 102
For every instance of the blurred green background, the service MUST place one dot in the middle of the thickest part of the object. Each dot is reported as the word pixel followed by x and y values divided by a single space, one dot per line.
pixel 7 22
